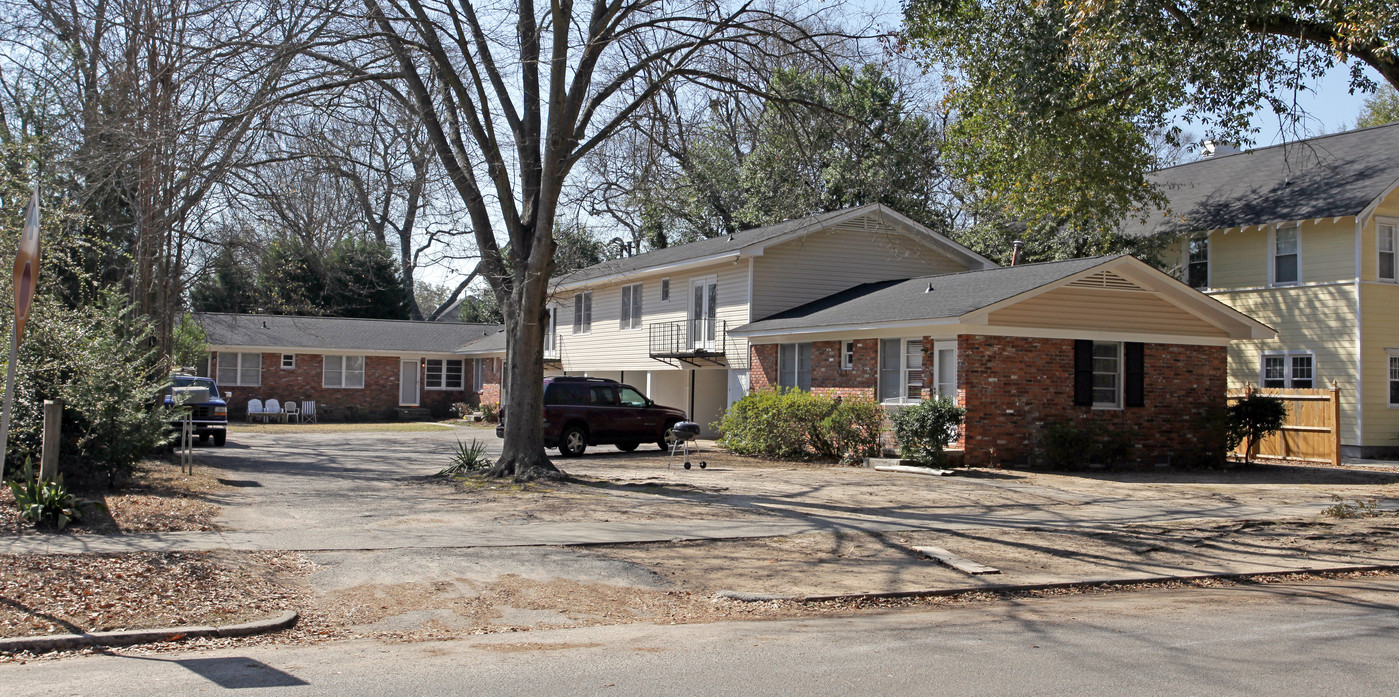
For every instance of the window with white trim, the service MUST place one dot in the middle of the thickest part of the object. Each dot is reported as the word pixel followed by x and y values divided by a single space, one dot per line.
pixel 1288 369
pixel 901 370
pixel 794 366
pixel 478 373
pixel 1385 234
pixel 665 290
pixel 443 374
pixel 1394 379
pixel 288 361
pixel 343 371
pixel 240 369
pixel 1107 374
pixel 1286 256
pixel 1197 262
pixel 631 307
pixel 583 312
pixel 847 355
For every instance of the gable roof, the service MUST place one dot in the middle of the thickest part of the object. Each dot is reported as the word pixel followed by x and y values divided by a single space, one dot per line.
pixel 1331 176
pixel 491 342
pixel 748 240
pixel 336 333
pixel 949 298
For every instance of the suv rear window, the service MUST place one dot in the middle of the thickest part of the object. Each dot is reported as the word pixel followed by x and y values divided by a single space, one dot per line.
pixel 566 393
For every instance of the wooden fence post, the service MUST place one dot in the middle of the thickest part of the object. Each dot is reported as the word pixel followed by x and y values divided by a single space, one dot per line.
pixel 1335 424
pixel 53 428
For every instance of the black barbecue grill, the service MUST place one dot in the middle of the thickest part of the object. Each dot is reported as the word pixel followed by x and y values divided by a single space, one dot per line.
pixel 681 435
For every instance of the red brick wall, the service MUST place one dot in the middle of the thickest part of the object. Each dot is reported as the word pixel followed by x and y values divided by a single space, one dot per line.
pixel 1013 387
pixel 827 377
pixel 377 399
pixel 490 381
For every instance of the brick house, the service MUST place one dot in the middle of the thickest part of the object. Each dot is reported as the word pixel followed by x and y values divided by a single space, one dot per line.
pixel 351 368
pixel 1107 341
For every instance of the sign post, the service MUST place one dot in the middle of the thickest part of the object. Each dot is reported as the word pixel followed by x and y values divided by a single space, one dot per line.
pixel 26 277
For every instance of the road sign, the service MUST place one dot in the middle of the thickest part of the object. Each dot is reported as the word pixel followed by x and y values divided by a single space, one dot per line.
pixel 27 265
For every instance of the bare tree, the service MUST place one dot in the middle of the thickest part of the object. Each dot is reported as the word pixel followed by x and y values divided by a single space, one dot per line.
pixel 522 93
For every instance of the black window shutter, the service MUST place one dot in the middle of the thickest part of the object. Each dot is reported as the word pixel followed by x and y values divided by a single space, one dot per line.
pixel 1134 375
pixel 1083 373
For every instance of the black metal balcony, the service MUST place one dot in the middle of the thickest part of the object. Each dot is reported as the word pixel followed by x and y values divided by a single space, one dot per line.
pixel 695 342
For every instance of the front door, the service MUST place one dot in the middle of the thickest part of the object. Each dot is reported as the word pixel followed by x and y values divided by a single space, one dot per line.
pixel 408 383
pixel 704 312
pixel 945 369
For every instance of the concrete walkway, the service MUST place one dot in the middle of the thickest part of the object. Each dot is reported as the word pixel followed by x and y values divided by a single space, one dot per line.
pixel 356 491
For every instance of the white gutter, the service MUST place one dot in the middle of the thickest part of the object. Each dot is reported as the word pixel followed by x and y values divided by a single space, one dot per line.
pixel 647 271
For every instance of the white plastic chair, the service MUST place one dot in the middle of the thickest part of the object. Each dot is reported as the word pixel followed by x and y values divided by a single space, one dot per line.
pixel 273 410
pixel 289 412
pixel 255 410
pixel 308 413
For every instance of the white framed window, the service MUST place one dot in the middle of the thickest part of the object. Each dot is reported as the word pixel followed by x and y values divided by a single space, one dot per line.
pixel 1394 378
pixel 551 332
pixel 631 307
pixel 1197 262
pixel 239 369
pixel 443 374
pixel 478 373
pixel 794 366
pixel 665 290
pixel 1285 268
pixel 343 371
pixel 901 370
pixel 583 312
pixel 847 355
pixel 1385 234
pixel 1107 375
pixel 1287 369
pixel 288 361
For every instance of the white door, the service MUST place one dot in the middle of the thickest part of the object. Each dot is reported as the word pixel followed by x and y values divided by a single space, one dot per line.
pixel 945 369
pixel 408 383
pixel 704 312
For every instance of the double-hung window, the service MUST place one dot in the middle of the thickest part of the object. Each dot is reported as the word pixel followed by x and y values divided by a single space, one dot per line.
pixel 443 374
pixel 583 312
pixel 847 355
pixel 1197 262
pixel 288 361
pixel 343 371
pixel 1393 379
pixel 631 307
pixel 1291 369
pixel 478 373
pixel 240 369
pixel 1385 234
pixel 901 370
pixel 665 290
pixel 1107 374
pixel 794 366
pixel 551 332
pixel 1286 263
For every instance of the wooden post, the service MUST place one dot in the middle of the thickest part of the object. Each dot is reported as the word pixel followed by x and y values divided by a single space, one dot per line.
pixel 53 429
pixel 1335 424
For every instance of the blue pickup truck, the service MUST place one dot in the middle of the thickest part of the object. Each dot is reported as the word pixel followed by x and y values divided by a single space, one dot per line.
pixel 211 416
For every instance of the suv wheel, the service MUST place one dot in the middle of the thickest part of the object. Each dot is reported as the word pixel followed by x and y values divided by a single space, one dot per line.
pixel 666 437
pixel 573 441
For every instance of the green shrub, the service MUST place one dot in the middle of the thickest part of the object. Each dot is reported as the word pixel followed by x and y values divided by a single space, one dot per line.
pixel 47 503
pixel 793 424
pixel 468 458
pixel 923 430
pixel 1070 446
pixel 1252 418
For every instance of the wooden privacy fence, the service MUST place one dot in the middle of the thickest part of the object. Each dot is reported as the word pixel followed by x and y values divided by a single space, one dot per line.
pixel 1313 428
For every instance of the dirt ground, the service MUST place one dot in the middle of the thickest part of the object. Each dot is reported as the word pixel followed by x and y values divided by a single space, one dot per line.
pixel 156 498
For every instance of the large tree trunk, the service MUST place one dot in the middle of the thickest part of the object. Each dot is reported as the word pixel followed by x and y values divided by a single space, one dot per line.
pixel 523 456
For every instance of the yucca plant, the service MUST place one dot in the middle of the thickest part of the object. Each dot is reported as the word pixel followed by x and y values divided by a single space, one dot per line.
pixel 468 458
pixel 48 503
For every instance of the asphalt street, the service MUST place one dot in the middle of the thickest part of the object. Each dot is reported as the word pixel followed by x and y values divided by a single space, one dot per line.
pixel 1331 638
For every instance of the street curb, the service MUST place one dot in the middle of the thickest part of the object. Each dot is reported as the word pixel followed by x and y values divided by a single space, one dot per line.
pixel 1026 587
pixel 60 642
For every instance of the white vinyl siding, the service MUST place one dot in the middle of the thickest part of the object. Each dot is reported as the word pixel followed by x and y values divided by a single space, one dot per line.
pixel 343 372
pixel 240 369
pixel 442 374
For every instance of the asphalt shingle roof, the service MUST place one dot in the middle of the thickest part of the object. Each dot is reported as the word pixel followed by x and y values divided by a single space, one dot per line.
pixel 952 295
pixel 340 333
pixel 492 342
pixel 1331 176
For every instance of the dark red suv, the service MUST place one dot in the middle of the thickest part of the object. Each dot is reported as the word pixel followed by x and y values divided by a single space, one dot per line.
pixel 579 412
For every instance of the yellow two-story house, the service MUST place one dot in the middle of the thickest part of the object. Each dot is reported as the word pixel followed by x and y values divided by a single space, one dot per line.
pixel 1302 237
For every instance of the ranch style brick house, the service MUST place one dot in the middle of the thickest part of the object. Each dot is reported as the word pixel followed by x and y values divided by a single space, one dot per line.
pixel 1303 237
pixel 350 367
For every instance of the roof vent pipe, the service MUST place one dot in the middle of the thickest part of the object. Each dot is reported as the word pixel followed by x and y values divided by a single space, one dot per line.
pixel 1015 253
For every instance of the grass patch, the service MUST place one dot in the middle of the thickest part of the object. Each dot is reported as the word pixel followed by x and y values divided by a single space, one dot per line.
pixel 237 428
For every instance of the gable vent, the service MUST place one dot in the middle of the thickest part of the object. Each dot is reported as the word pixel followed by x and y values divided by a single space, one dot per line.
pixel 1105 279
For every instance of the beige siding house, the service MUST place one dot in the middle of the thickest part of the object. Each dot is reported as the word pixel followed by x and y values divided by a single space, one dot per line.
pixel 660 321
pixel 1302 237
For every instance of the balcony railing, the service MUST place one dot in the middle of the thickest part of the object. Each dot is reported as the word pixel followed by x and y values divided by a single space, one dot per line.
pixel 689 341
